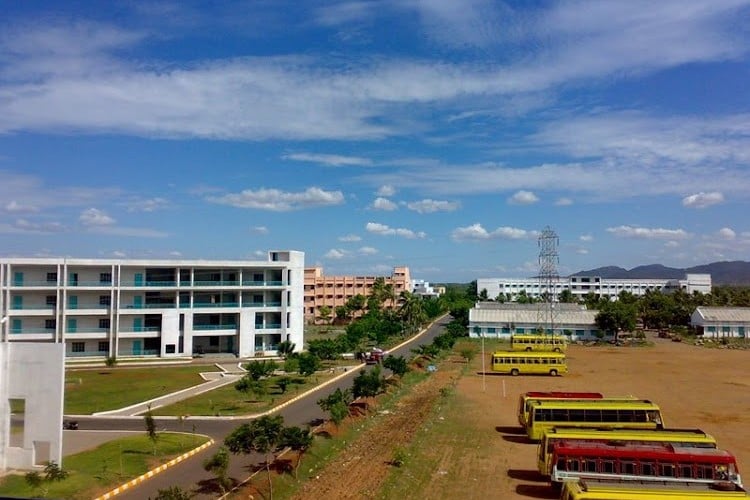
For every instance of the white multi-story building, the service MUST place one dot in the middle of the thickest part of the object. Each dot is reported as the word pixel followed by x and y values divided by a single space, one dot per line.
pixel 425 289
pixel 168 308
pixel 580 286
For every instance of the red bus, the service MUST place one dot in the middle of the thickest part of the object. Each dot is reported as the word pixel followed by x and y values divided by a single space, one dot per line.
pixel 625 461
pixel 524 399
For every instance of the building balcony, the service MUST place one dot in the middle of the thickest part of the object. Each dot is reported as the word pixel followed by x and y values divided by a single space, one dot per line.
pixel 152 284
pixel 33 284
pixel 212 304
pixel 262 283
pixel 149 306
pixel 32 330
pixel 86 354
pixel 262 304
pixel 213 328
pixel 217 283
pixel 86 329
pixel 89 284
pixel 139 329
pixel 93 306
pixel 267 326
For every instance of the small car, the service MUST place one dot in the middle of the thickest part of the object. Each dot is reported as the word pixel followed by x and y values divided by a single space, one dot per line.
pixel 70 425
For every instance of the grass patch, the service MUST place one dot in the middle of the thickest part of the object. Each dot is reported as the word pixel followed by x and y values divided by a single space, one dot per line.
pixel 101 389
pixel 94 472
pixel 228 401
pixel 317 332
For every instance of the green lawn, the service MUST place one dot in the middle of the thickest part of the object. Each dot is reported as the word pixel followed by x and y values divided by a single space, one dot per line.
pixel 227 401
pixel 317 332
pixel 90 391
pixel 94 472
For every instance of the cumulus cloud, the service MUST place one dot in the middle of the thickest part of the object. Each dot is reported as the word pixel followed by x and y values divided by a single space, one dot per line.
pixel 335 254
pixel 27 226
pixel 648 233
pixel 147 205
pixel 95 217
pixel 523 198
pixel 384 204
pixel 477 232
pixel 429 206
pixel 582 251
pixel 349 238
pixel 329 160
pixel 702 200
pixel 280 201
pixel 384 230
pixel 586 237
pixel 368 251
pixel 14 207
pixel 727 233
pixel 386 190
pixel 259 229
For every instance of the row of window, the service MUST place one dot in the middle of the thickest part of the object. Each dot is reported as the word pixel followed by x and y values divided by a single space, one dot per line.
pixel 642 468
pixel 595 415
pixel 528 361
pixel 81 347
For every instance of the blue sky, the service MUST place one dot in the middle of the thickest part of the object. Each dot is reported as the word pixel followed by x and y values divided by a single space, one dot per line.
pixel 439 134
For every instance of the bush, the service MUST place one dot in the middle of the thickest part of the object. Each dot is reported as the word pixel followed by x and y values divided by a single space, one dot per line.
pixel 396 364
pixel 368 384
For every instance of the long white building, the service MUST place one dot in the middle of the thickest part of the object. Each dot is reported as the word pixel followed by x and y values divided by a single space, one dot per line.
pixel 580 286
pixel 167 308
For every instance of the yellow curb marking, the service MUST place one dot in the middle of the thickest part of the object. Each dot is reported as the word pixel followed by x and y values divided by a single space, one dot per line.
pixel 155 471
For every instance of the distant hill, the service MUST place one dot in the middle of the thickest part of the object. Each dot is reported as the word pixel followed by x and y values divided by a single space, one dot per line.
pixel 722 273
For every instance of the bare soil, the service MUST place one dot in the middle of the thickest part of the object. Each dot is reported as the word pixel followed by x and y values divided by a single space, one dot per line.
pixel 696 387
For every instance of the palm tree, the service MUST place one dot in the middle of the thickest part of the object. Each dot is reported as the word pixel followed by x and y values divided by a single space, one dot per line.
pixel 412 311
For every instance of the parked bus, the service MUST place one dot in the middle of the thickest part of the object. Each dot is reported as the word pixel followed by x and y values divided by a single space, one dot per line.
pixel 664 462
pixel 595 413
pixel 539 342
pixel 628 490
pixel 695 438
pixel 524 400
pixel 516 363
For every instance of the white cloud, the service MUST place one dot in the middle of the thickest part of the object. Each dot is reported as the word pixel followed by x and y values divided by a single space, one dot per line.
pixel 335 254
pixel 477 232
pixel 384 204
pixel 330 160
pixel 27 226
pixel 427 206
pixel 702 200
pixel 672 244
pixel 586 237
pixel 147 205
pixel 648 233
pixel 119 254
pixel 280 201
pixel 563 202
pixel 523 198
pixel 134 232
pixel 386 191
pixel 368 251
pixel 14 207
pixel 259 229
pixel 727 233
pixel 349 238
pixel 582 251
pixel 384 230
pixel 95 217
pixel 260 254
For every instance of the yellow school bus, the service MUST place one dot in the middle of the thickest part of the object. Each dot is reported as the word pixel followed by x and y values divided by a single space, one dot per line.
pixel 525 400
pixel 593 414
pixel 539 342
pixel 687 438
pixel 591 489
pixel 517 363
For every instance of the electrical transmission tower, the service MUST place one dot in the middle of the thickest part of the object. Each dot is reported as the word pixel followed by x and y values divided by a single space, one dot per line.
pixel 548 279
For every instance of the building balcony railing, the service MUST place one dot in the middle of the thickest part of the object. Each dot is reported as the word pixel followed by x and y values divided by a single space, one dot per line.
pixel 139 329
pixel 87 354
pixel 214 327
pixel 150 306
pixel 267 326
pixel 86 329
pixel 262 283
pixel 213 304
pixel 139 352
pixel 32 329
pixel 262 304
pixel 32 307
pixel 216 283
pixel 37 283
pixel 88 306
pixel 97 283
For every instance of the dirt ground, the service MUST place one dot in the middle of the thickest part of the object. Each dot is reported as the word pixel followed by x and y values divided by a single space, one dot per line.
pixel 696 387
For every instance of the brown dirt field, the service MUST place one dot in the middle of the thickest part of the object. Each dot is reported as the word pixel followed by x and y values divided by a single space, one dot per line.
pixel 696 387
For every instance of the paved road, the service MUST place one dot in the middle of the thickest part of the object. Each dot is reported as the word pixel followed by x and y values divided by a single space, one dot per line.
pixel 190 474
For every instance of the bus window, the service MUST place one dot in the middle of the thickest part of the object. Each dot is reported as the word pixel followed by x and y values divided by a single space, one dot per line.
pixel 627 468
pixel 589 465
pixel 573 465
pixel 648 469
pixel 608 466
pixel 704 472
pixel 686 470
pixel 667 470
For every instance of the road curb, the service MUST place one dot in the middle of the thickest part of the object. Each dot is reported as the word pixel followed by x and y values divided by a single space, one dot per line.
pixel 153 472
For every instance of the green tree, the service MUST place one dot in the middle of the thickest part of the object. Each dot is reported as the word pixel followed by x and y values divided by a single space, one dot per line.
pixel 324 314
pixel 308 364
pixel 566 297
pixel 286 348
pixel 262 435
pixel 396 364
pixel 248 385
pixel 257 370
pixel 299 440
pixel 483 295
pixel 343 313
pixel 218 465
pixel 468 354
pixel 150 423
pixel 368 383
pixel 337 405
pixel 411 311
pixel 324 348
pixel 283 383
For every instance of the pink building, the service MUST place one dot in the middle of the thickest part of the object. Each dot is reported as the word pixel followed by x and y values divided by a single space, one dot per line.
pixel 334 291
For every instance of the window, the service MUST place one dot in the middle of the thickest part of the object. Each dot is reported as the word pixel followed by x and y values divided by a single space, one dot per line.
pixel 103 347
pixel 78 347
pixel 213 341
pixel 50 324
pixel 648 469
pixel 52 278
pixel 170 349
pixel 51 300
pixel 589 465
pixel 104 323
pixel 104 300
pixel 105 278
pixel 667 470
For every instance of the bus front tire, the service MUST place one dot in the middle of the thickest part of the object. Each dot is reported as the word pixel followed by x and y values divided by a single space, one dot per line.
pixel 553 373
pixel 514 372
pixel 528 349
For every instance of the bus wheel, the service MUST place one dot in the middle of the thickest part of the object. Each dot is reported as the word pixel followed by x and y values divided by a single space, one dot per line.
pixel 553 373
pixel 724 486
pixel 557 349
pixel 528 349
pixel 514 372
